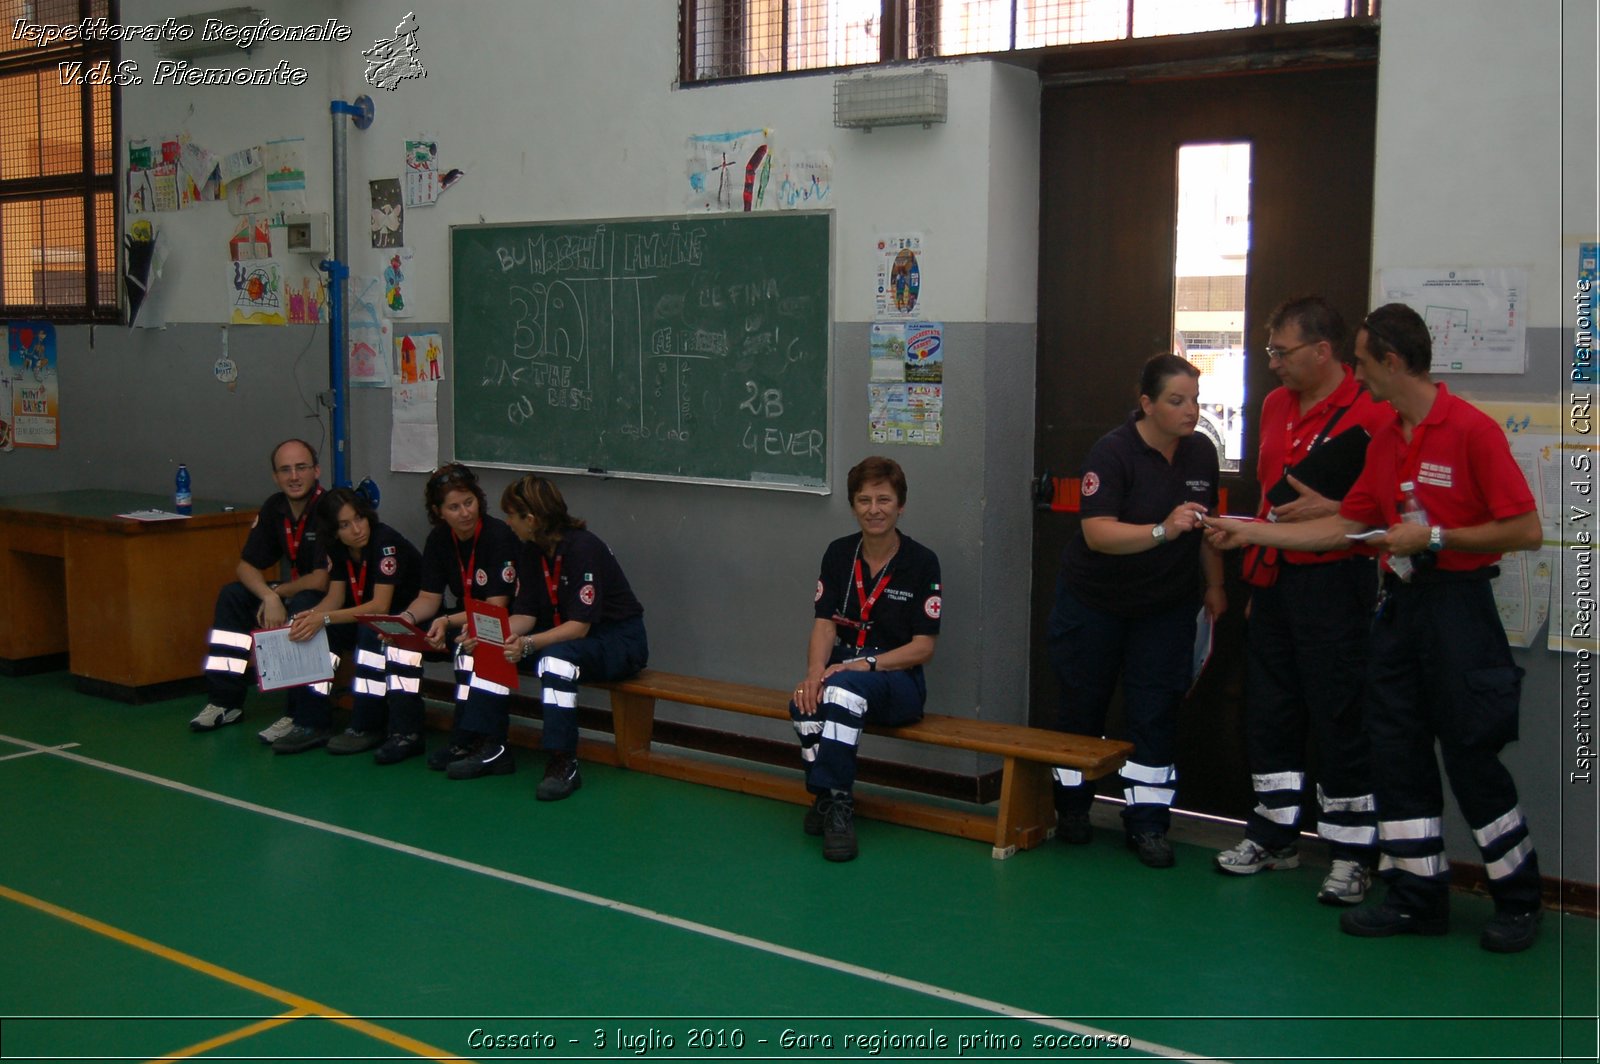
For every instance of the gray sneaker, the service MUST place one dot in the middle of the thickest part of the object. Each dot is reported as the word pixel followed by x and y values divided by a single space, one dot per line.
pixel 351 741
pixel 1250 857
pixel 276 730
pixel 213 717
pixel 300 739
pixel 1345 884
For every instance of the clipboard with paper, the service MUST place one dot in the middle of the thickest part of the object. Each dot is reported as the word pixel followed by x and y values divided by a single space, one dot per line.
pixel 281 662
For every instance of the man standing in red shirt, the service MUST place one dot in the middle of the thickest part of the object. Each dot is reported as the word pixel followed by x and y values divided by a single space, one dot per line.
pixel 1439 669
pixel 1310 614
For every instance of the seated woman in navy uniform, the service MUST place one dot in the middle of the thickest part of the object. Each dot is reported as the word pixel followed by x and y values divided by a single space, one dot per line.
pixel 877 609
pixel 585 622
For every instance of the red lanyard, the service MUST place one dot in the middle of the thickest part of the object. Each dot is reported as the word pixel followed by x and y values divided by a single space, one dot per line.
pixel 291 535
pixel 472 567
pixel 358 583
pixel 551 582
pixel 865 600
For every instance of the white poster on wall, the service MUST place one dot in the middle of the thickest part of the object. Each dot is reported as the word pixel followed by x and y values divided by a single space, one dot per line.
pixel 1477 317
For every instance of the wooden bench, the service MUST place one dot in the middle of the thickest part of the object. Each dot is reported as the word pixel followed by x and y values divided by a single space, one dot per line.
pixel 1026 814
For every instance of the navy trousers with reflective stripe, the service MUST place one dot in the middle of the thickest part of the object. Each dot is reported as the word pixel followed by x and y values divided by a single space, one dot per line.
pixel 1306 654
pixel 227 666
pixel 830 737
pixel 1441 671
pixel 312 705
pixel 613 651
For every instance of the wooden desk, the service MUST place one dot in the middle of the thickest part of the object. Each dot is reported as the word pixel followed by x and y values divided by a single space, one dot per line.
pixel 126 602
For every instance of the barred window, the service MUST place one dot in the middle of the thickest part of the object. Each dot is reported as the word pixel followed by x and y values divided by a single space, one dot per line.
pixel 58 185
pixel 745 38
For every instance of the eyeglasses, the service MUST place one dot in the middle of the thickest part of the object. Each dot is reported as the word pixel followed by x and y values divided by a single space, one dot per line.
pixel 1278 354
pixel 286 470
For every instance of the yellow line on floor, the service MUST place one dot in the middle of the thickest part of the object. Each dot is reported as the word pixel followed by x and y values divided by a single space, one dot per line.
pixel 305 1007
pixel 226 1039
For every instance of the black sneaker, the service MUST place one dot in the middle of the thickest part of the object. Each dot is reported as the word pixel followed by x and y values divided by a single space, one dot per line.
pixel 839 829
pixel 397 748
pixel 489 758
pixel 561 778
pixel 1074 829
pixel 351 741
pixel 1510 932
pixel 440 759
pixel 1153 849
pixel 1383 920
pixel 816 816
pixel 300 739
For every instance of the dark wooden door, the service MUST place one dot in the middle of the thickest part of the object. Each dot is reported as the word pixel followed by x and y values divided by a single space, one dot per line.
pixel 1107 217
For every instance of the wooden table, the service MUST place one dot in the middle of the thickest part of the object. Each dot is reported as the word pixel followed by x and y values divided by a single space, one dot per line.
pixel 125 604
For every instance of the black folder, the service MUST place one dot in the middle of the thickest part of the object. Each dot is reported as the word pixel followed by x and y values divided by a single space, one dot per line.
pixel 1330 469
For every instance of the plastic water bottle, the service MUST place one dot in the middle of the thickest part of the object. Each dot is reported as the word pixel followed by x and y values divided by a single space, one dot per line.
pixel 182 496
pixel 1411 513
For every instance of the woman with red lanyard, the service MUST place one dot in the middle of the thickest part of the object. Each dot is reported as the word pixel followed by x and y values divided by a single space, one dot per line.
pixel 586 623
pixel 371 569
pixel 474 557
pixel 877 609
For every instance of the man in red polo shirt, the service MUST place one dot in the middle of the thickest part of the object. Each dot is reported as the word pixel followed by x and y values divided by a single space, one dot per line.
pixel 1439 669
pixel 1310 613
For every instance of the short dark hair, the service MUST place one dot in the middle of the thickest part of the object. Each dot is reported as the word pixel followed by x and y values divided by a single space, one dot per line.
pixel 1158 369
pixel 272 459
pixel 534 495
pixel 1318 320
pixel 1395 328
pixel 337 499
pixel 877 468
pixel 452 476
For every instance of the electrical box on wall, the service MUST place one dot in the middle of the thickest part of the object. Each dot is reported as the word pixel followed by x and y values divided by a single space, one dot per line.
pixel 309 234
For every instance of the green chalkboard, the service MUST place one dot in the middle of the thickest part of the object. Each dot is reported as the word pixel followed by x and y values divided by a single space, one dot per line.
pixel 690 348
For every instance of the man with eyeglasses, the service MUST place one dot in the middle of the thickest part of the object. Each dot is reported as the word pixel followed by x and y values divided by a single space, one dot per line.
pixel 1306 639
pixel 285 528
pixel 1439 668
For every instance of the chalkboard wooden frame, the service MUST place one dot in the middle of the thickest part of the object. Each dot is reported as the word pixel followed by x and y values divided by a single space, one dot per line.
pixel 692 348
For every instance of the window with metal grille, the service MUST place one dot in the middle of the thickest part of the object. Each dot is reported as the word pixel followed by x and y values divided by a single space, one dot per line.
pixel 744 38
pixel 58 182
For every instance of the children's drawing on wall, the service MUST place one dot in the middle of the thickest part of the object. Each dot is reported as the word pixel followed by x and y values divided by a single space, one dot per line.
pixel 388 214
pixel 247 194
pixel 202 174
pixel 284 163
pixel 371 347
pixel 35 396
pixel 421 172
pixel 144 256
pixel 804 179
pixel 414 439
pixel 421 357
pixel 251 239
pixel 728 171
pixel 307 298
pixel 898 277
pixel 257 296
pixel 236 164
pixel 396 286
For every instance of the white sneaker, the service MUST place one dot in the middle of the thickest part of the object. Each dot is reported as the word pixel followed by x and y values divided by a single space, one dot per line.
pixel 214 717
pixel 1250 857
pixel 1346 884
pixel 276 730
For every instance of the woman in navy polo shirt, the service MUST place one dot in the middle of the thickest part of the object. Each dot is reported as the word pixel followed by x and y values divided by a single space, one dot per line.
pixel 1128 596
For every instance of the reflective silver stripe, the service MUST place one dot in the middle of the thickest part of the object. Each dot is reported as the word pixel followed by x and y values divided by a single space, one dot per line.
pixel 464 661
pixel 1068 777
pixel 238 640
pixel 1422 827
pixel 1427 867
pixel 409 684
pixel 1510 862
pixel 1278 781
pixel 808 753
pixel 1361 803
pixel 405 657
pixel 554 696
pixel 1148 795
pixel 1355 836
pixel 841 733
pixel 1287 815
pixel 1494 829
pixel 840 697
pixel 367 659
pixel 363 686
pixel 324 688
pixel 1148 773
pixel 558 667
pixel 808 727
pixel 489 685
pixel 462 691
pixel 334 659
pixel 235 665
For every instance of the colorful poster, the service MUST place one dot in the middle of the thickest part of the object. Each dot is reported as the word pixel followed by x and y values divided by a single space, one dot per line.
pixel 421 178
pixel 35 388
pixel 906 413
pixel 5 406
pixel 396 283
pixel 257 295
pixel 388 214
pixel 370 335
pixel 898 276
pixel 729 171
pixel 925 352
pixel 887 348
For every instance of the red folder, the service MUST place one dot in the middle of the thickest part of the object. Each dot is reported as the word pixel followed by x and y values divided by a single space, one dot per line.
pixel 399 631
pixel 489 657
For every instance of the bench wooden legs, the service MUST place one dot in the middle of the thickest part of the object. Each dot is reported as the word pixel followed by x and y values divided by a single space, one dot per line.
pixel 1027 814
pixel 633 719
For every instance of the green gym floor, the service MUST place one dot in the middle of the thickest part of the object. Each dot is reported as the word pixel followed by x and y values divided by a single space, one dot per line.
pixel 167 895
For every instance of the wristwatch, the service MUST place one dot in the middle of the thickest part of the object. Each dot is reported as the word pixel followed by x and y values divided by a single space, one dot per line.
pixel 1436 538
pixel 1159 533
pixel 872 663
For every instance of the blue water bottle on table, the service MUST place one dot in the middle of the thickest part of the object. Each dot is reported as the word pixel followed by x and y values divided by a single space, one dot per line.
pixel 182 495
